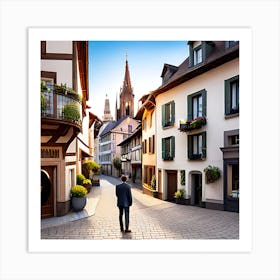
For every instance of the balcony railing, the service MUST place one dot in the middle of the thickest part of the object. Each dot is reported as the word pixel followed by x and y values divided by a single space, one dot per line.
pixel 192 124
pixel 60 106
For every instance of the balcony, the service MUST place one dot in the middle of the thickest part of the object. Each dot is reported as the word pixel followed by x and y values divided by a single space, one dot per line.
pixel 61 116
pixel 190 125
pixel 62 105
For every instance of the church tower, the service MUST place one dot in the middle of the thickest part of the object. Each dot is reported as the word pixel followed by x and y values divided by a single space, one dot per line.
pixel 126 104
pixel 107 112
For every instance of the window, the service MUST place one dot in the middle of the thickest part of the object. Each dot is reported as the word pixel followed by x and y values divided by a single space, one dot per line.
pixel 197 146
pixel 168 148
pixel 197 56
pixel 230 44
pixel 233 140
pixel 233 180
pixel 168 114
pixel 144 124
pixel 232 96
pixel 149 171
pixel 197 105
pixel 144 148
pixel 152 144
pixel 129 128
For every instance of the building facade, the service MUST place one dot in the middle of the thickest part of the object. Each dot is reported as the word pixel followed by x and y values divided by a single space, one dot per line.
pixel 197 125
pixel 146 114
pixel 131 156
pixel 65 121
pixel 112 135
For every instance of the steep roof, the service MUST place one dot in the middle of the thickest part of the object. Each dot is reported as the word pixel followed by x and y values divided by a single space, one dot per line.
pixel 218 56
pixel 137 132
pixel 111 125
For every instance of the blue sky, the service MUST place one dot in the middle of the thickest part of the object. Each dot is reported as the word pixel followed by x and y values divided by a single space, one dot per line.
pixel 145 59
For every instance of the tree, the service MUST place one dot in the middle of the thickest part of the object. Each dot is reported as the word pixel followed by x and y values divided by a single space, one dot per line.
pixel 88 167
pixel 117 164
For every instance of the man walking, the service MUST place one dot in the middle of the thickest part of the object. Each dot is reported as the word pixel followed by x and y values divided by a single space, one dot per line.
pixel 123 193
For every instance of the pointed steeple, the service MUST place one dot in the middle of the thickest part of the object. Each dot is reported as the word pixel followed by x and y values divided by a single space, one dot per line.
pixel 107 112
pixel 127 82
pixel 126 103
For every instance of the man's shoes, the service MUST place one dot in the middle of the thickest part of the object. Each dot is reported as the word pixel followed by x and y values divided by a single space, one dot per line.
pixel 127 230
pixel 122 230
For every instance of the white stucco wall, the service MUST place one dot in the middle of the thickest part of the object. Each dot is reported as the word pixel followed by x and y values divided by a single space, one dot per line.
pixel 59 47
pixel 213 83
pixel 63 68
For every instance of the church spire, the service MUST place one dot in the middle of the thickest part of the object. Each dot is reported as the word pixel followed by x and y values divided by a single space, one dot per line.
pixel 107 112
pixel 127 82
pixel 126 103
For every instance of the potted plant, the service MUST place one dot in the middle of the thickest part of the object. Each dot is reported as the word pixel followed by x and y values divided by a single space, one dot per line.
pixel 78 197
pixel 87 184
pixel 80 178
pixel 71 112
pixel 179 196
pixel 153 186
pixel 212 174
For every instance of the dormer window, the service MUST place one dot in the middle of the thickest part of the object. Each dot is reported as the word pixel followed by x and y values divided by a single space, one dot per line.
pixel 199 51
pixel 230 44
pixel 197 56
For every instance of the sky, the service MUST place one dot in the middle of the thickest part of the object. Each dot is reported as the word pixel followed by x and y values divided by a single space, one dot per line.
pixel 145 60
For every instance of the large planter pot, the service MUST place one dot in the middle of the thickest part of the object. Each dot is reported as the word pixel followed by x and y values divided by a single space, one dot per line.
pixel 180 200
pixel 78 203
pixel 96 183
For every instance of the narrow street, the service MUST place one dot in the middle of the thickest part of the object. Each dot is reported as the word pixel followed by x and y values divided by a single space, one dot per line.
pixel 150 218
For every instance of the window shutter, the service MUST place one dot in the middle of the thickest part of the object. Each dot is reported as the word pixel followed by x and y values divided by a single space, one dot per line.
pixel 163 148
pixel 227 97
pixel 204 102
pixel 172 147
pixel 191 53
pixel 163 115
pixel 189 106
pixel 204 145
pixel 153 141
pixel 190 146
pixel 172 112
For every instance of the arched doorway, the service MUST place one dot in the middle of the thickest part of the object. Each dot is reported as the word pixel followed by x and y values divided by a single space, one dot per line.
pixel 47 192
pixel 196 188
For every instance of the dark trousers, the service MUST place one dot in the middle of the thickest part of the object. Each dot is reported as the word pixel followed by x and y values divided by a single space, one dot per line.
pixel 126 214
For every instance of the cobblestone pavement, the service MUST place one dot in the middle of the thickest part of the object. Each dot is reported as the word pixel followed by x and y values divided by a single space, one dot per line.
pixel 150 218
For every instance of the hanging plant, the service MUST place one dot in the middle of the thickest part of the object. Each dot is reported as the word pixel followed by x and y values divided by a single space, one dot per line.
pixel 212 174
pixel 71 111
pixel 182 173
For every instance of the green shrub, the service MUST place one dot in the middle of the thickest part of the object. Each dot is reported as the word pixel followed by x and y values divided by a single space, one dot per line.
pixel 153 182
pixel 90 166
pixel 212 173
pixel 71 111
pixel 78 191
pixel 183 176
pixel 79 179
pixel 43 102
pixel 180 193
pixel 86 182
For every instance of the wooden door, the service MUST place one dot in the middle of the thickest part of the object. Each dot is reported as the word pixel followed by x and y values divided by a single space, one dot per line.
pixel 171 184
pixel 47 191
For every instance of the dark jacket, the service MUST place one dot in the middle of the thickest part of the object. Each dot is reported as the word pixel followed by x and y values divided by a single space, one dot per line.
pixel 123 193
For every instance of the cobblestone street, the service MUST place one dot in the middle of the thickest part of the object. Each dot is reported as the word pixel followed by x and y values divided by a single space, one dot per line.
pixel 150 218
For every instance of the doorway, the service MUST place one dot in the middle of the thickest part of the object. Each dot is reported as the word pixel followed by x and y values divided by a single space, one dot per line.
pixel 171 184
pixel 47 192
pixel 196 189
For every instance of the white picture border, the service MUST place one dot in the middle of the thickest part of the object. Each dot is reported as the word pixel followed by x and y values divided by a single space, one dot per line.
pixel 244 36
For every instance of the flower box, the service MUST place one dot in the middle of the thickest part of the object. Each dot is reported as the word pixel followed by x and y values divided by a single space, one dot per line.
pixel 192 124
